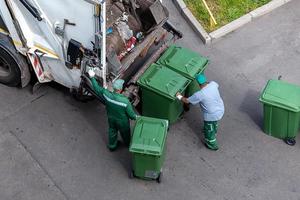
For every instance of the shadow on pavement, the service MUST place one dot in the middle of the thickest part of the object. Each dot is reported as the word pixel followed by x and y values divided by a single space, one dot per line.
pixel 94 114
pixel 123 157
pixel 252 107
pixel 194 120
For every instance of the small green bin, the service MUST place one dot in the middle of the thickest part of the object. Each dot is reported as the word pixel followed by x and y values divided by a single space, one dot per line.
pixel 281 102
pixel 187 63
pixel 148 148
pixel 159 86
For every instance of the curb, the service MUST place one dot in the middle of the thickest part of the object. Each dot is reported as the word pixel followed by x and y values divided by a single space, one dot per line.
pixel 267 8
pixel 189 17
pixel 230 27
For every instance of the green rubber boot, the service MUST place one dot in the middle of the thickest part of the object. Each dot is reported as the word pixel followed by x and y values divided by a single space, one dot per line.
pixel 210 131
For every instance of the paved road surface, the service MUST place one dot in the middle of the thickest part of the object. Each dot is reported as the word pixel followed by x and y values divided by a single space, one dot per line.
pixel 52 147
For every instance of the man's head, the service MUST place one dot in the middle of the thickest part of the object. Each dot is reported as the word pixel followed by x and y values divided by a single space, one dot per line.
pixel 201 79
pixel 118 85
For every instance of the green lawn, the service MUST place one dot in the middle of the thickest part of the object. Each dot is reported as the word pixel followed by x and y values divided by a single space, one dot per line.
pixel 224 11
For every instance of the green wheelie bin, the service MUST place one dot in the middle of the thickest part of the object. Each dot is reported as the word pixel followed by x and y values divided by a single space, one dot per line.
pixel 148 148
pixel 159 86
pixel 281 102
pixel 186 62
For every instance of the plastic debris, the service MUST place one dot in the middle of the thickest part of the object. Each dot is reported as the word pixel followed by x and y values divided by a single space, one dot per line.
pixel 109 31
pixel 131 43
pixel 139 36
pixel 125 32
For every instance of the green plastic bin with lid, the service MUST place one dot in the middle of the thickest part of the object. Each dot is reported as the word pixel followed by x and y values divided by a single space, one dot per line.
pixel 281 102
pixel 186 62
pixel 148 148
pixel 159 86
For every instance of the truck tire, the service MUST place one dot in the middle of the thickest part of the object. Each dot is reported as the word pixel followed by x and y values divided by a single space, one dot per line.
pixel 9 70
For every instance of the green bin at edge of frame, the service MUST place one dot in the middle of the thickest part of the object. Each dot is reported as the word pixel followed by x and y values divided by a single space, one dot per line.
pixel 281 102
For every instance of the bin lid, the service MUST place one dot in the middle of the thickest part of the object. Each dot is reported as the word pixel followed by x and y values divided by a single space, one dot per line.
pixel 149 136
pixel 163 80
pixel 281 94
pixel 186 62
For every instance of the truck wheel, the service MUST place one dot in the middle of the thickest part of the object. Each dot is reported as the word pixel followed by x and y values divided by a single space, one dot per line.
pixel 9 71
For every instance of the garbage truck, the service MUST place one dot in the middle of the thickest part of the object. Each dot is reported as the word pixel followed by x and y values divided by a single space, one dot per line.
pixel 59 41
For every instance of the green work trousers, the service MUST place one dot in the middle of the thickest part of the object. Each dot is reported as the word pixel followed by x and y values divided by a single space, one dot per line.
pixel 115 126
pixel 210 130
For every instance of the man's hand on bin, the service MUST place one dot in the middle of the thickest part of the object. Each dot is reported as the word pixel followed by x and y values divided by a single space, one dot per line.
pixel 179 96
pixel 91 73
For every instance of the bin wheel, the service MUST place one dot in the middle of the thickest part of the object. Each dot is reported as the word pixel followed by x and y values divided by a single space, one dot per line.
pixel 290 141
pixel 159 178
pixel 131 174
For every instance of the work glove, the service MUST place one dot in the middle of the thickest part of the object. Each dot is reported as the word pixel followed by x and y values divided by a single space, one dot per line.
pixel 91 73
pixel 179 96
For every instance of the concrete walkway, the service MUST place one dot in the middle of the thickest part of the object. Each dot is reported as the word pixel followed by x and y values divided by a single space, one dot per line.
pixel 53 147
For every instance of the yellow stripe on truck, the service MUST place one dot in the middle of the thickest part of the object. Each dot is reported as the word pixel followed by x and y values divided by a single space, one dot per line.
pixel 41 48
pixel 46 50
pixel 17 43
pixel 4 31
pixel 38 46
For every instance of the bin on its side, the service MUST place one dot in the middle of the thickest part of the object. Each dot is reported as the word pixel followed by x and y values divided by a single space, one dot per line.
pixel 159 86
pixel 187 63
pixel 148 147
pixel 281 110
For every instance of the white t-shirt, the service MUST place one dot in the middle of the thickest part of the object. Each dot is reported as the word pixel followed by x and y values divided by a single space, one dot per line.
pixel 210 101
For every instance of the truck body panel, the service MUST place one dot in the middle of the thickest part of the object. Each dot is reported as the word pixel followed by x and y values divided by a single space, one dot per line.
pixel 62 39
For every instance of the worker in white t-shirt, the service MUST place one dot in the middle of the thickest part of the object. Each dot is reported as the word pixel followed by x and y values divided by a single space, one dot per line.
pixel 212 107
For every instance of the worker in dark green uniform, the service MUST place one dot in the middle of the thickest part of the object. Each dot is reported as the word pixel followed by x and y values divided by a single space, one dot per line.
pixel 119 111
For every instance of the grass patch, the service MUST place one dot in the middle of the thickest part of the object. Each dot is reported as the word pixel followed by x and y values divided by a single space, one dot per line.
pixel 224 11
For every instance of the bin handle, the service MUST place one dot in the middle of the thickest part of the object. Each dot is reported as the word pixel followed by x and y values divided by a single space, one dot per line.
pixel 171 83
pixel 201 71
pixel 192 63
pixel 185 86
pixel 292 104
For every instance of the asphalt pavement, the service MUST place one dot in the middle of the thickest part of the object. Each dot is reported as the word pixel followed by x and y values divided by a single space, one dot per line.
pixel 54 147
